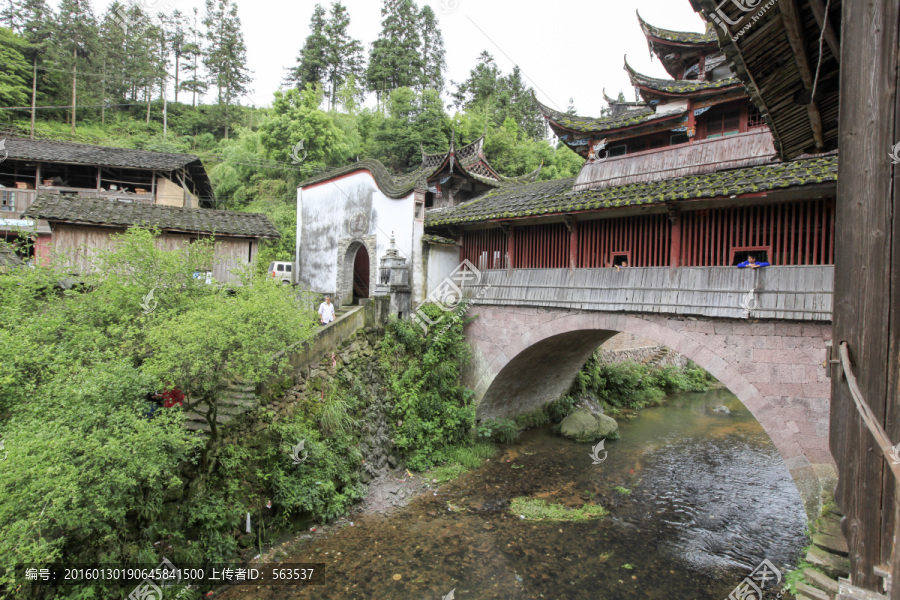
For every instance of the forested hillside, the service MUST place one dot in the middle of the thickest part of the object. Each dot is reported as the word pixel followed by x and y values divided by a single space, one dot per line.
pixel 178 82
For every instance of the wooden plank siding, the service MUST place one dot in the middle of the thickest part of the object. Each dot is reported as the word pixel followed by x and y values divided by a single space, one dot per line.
pixel 800 293
pixel 790 233
pixel 80 244
pixel 867 299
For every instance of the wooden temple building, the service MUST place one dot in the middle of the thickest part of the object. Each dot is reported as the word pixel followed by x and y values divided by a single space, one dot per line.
pixel 688 176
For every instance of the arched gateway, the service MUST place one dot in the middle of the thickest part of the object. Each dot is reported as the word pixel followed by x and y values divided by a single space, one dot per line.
pixel 527 357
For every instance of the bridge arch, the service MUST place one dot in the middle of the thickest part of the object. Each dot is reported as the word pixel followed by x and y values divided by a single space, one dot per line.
pixel 527 357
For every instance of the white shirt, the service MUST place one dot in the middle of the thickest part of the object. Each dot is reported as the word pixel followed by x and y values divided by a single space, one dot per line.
pixel 326 312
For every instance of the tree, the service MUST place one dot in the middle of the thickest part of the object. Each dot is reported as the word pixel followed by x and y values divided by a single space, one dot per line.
pixel 240 337
pixel 77 34
pixel 311 63
pixel 498 97
pixel 295 117
pixel 415 121
pixel 395 60
pixel 16 73
pixel 192 51
pixel 11 15
pixel 226 54
pixel 178 44
pixel 343 56
pixel 434 57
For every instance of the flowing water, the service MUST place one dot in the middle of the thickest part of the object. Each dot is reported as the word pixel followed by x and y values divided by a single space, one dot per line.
pixel 710 499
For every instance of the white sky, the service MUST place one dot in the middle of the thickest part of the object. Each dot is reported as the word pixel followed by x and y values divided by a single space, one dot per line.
pixel 564 47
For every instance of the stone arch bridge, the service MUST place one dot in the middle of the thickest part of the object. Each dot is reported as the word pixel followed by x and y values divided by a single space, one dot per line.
pixel 536 328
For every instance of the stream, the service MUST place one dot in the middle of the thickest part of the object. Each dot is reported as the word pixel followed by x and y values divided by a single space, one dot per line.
pixel 710 498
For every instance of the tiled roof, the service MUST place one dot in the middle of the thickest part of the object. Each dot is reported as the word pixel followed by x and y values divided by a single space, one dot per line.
pixel 53 151
pixel 679 37
pixel 630 118
pixel 393 186
pixel 554 197
pixel 106 156
pixel 683 86
pixel 469 160
pixel 100 211
pixel 436 239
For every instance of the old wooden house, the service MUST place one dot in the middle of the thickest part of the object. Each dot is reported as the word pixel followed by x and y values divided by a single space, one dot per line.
pixel 83 224
pixel 33 167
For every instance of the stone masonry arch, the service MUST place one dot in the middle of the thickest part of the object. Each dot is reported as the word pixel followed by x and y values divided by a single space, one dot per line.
pixel 527 357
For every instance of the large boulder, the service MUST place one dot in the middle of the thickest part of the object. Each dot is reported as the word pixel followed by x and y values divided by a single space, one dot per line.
pixel 584 426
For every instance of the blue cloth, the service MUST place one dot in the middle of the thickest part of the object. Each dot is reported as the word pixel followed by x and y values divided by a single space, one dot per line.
pixel 746 263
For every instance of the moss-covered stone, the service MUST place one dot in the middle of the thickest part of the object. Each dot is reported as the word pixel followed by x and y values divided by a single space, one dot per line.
pixel 583 426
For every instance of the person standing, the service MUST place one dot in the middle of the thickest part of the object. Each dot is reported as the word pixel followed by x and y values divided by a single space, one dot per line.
pixel 326 311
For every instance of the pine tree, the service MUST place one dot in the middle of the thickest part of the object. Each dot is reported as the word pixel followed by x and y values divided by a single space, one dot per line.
pixel 395 60
pixel 343 56
pixel 76 35
pixel 16 73
pixel 192 52
pixel 313 56
pixel 434 56
pixel 226 55
pixel 178 41
pixel 11 15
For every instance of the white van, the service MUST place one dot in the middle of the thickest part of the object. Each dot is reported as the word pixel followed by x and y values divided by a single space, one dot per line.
pixel 282 271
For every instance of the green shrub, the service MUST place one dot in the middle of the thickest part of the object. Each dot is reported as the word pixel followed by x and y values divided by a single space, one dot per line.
pixel 504 431
pixel 533 419
pixel 560 409
pixel 433 411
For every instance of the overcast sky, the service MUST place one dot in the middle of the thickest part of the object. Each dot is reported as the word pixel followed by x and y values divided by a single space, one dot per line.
pixel 565 48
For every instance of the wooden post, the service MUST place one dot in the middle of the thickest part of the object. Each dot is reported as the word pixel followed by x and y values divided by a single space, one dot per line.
pixel 675 237
pixel 33 94
pixel 867 284
pixel 572 225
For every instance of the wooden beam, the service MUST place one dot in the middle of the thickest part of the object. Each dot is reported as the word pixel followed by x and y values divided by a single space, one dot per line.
pixel 790 16
pixel 867 284
pixel 831 38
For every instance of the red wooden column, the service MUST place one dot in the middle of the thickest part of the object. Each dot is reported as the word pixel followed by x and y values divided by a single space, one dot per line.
pixel 675 237
pixel 572 225
pixel 510 232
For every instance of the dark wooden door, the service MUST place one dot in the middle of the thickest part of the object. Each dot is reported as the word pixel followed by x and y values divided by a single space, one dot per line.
pixel 361 273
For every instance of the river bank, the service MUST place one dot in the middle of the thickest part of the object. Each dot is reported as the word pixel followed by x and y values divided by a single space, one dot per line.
pixel 696 499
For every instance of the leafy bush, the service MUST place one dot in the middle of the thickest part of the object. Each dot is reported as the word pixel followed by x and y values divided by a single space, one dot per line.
pixel 432 409
pixel 504 431
pixel 630 384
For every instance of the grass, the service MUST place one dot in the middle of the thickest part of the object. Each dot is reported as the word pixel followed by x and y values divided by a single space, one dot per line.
pixel 534 509
pixel 460 459
pixel 622 490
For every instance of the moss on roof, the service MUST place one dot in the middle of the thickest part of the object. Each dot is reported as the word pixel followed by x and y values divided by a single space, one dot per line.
pixel 630 118
pixel 437 239
pixel 555 197
pixel 102 211
pixel 707 38
pixel 679 86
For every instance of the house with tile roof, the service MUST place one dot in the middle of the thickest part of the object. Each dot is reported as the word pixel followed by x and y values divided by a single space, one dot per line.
pixel 348 218
pixel 30 167
pixel 687 175
pixel 82 225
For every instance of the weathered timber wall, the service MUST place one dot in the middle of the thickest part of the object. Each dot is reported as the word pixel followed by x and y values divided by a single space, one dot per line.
pixel 795 293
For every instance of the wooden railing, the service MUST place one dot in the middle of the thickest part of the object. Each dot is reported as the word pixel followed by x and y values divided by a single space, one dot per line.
pixel 792 293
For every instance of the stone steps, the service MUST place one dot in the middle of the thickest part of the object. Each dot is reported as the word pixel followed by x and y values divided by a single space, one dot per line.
pixel 828 556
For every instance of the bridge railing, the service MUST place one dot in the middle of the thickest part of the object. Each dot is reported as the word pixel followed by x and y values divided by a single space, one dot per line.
pixel 802 293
